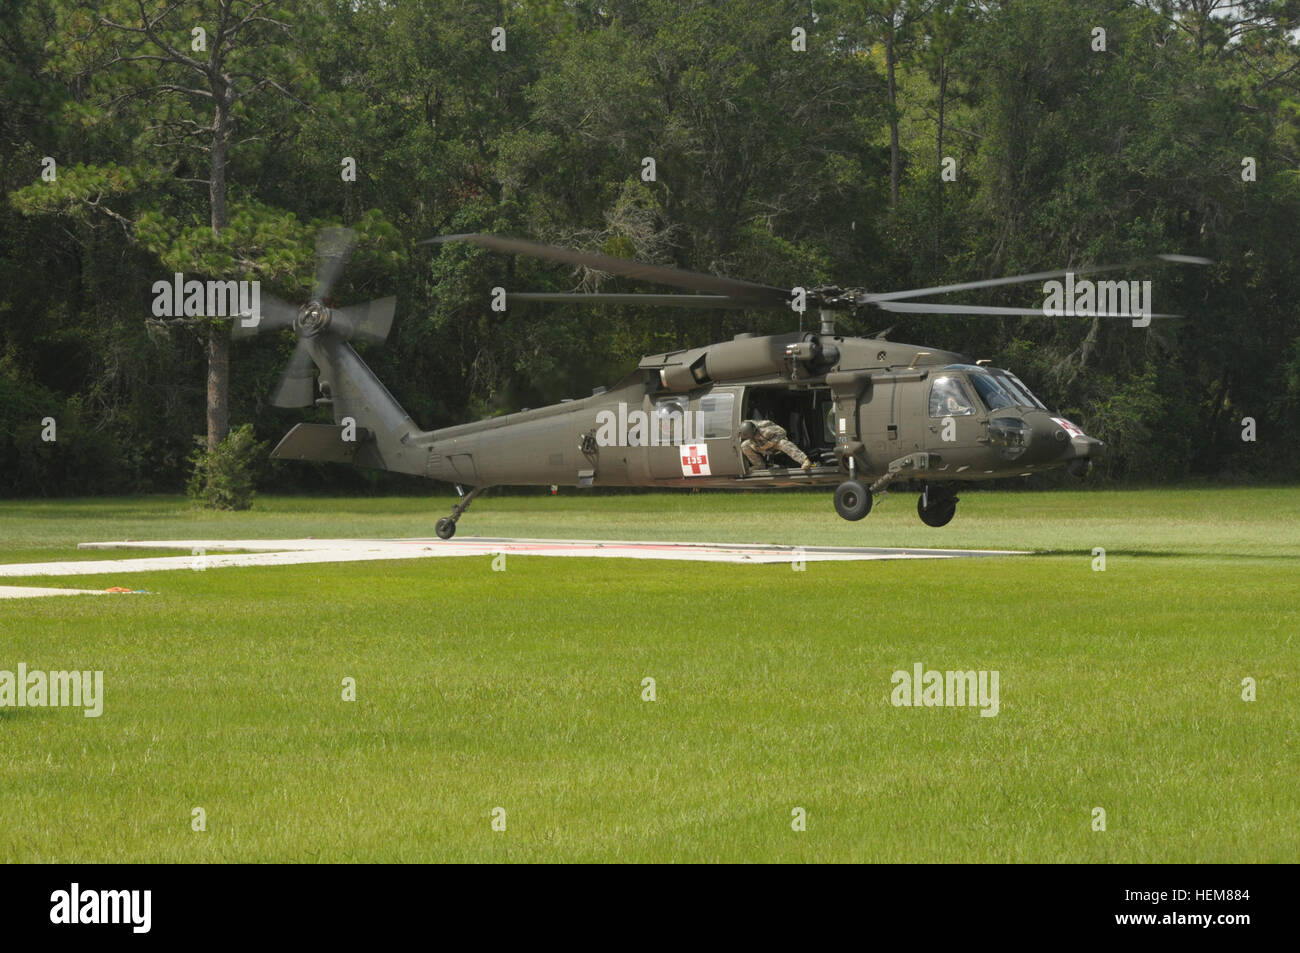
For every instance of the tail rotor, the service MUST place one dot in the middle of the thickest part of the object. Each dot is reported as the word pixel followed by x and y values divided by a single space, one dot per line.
pixel 315 320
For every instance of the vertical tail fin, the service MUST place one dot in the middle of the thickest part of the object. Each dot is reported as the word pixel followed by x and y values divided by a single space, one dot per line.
pixel 371 429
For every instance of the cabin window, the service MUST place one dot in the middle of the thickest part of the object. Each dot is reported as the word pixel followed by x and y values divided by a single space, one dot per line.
pixel 713 419
pixel 670 423
pixel 949 398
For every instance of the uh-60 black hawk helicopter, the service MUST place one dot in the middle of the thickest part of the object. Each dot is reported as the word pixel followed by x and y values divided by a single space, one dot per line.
pixel 866 411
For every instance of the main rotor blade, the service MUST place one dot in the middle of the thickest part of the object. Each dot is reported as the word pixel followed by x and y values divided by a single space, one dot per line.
pixel 275 314
pixel 654 300
pixel 927 308
pixel 1018 279
pixel 987 283
pixel 297 386
pixel 365 322
pixel 750 292
pixel 333 249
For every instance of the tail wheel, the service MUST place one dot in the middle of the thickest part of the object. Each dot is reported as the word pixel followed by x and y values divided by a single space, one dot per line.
pixel 852 500
pixel 940 514
pixel 445 528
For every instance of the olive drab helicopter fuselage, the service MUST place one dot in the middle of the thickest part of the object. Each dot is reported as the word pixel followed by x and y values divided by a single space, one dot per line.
pixel 866 411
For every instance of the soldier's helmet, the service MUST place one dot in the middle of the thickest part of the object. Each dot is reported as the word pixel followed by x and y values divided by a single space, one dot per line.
pixel 747 429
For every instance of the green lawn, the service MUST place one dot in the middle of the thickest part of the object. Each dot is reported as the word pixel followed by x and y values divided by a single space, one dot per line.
pixel 522 689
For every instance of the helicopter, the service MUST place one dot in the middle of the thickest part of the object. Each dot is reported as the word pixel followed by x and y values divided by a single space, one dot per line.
pixel 866 411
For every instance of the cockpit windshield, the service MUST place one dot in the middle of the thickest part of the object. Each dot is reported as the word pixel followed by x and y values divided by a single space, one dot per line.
pixel 1024 396
pixel 998 388
pixel 994 394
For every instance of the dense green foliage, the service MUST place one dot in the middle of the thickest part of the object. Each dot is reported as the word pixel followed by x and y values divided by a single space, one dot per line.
pixel 222 479
pixel 771 163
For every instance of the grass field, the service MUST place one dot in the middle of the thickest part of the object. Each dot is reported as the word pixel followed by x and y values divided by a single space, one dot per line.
pixel 522 689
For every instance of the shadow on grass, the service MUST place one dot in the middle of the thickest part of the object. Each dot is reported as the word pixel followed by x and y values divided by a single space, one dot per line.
pixel 14 714
pixel 1167 553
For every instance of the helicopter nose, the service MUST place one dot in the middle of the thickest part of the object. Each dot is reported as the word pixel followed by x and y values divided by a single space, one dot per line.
pixel 1072 442
pixel 1075 447
pixel 1050 441
pixel 1086 448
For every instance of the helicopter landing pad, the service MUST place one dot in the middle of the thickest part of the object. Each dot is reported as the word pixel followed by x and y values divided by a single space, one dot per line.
pixel 219 553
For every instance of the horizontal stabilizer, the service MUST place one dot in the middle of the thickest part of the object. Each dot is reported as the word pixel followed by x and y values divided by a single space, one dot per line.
pixel 325 442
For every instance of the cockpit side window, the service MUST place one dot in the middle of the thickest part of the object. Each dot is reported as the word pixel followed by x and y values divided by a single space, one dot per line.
pixel 949 398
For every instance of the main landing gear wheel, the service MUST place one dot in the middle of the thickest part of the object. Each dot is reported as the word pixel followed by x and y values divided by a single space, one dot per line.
pixel 940 514
pixel 852 500
pixel 445 528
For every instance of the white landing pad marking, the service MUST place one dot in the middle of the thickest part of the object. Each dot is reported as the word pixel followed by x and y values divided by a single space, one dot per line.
pixel 23 592
pixel 208 553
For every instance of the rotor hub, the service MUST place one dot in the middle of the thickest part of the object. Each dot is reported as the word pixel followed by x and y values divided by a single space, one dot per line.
pixel 313 318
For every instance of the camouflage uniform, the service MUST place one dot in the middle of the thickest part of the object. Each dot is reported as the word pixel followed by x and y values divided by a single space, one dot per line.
pixel 767 438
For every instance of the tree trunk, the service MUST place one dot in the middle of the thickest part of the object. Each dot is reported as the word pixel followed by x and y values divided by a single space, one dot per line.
pixel 893 117
pixel 218 385
pixel 218 396
pixel 943 91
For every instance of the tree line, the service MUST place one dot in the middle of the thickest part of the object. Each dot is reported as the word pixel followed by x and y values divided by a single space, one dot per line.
pixel 886 144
